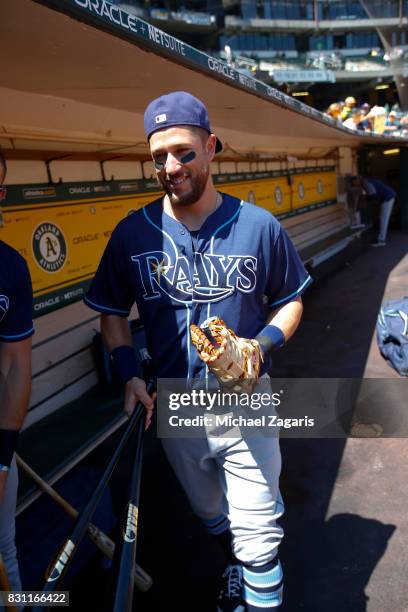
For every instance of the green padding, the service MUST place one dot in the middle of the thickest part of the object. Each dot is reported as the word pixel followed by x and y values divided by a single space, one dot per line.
pixel 53 442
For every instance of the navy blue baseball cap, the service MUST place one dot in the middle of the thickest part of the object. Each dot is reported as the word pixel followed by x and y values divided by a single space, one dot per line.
pixel 177 108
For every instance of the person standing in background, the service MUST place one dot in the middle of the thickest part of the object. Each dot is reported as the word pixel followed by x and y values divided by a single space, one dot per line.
pixel 385 195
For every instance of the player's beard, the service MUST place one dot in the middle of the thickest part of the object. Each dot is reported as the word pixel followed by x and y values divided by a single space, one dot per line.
pixel 187 197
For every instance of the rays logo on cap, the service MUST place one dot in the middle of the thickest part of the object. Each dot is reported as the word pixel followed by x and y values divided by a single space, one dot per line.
pixel 4 306
pixel 161 118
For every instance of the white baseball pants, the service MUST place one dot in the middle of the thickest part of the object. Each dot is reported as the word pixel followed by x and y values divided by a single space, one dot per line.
pixel 237 477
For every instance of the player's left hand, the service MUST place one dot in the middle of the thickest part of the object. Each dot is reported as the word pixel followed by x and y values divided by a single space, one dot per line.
pixel 235 361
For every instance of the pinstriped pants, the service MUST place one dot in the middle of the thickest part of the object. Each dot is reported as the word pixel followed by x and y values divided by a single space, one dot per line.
pixel 236 477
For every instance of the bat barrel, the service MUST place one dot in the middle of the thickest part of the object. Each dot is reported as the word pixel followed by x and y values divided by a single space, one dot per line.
pixel 63 560
pixel 124 589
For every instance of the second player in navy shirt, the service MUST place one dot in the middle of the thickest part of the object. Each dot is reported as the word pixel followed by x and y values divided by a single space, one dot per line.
pixel 16 307
pixel 16 329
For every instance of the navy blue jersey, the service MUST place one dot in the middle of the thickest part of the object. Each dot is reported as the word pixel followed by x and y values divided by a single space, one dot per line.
pixel 378 188
pixel 16 296
pixel 241 254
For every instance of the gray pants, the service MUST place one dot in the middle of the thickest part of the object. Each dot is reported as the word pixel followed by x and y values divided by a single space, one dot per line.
pixel 7 529
pixel 238 478
pixel 385 214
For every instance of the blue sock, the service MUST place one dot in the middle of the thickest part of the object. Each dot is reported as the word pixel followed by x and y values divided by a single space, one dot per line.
pixel 217 525
pixel 263 586
pixel 219 528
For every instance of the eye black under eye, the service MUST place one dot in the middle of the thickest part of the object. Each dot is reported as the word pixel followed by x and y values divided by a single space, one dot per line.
pixel 188 157
pixel 158 164
pixel 184 159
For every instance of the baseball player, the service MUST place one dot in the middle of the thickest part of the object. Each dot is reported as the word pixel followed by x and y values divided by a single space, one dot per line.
pixel 187 256
pixel 16 329
pixel 385 195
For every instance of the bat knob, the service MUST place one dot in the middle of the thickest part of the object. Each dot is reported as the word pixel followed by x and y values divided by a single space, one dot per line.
pixel 205 327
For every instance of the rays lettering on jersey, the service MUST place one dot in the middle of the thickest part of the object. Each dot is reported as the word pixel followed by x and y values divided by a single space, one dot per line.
pixel 215 276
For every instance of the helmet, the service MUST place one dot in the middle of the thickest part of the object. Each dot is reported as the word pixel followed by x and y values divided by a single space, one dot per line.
pixel 350 101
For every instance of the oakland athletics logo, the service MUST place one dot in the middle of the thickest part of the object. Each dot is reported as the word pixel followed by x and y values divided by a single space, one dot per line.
pixel 49 247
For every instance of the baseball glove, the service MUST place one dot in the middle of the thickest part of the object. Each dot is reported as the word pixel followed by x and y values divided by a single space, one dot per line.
pixel 235 361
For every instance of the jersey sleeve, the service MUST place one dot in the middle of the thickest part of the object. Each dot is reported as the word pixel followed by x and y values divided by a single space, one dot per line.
pixel 369 188
pixel 110 288
pixel 287 278
pixel 16 308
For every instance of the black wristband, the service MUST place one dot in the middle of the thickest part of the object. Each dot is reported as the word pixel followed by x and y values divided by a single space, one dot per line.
pixel 124 363
pixel 271 338
pixel 8 443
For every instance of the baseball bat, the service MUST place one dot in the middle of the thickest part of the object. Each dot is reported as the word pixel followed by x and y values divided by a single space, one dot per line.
pixel 142 580
pixel 64 558
pixel 127 550
pixel 5 585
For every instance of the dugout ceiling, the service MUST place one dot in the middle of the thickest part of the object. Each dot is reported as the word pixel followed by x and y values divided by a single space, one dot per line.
pixel 76 75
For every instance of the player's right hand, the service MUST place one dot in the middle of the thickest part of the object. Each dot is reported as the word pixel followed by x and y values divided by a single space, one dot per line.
pixel 135 391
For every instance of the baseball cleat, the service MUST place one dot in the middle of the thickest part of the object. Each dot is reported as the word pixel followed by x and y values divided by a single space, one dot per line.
pixel 230 598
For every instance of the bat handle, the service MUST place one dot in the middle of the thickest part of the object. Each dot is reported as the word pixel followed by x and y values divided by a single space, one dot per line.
pixel 146 365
